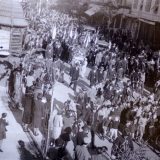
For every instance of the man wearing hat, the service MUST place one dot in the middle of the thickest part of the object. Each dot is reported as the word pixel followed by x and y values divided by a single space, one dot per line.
pixel 28 108
pixel 74 73
pixel 100 73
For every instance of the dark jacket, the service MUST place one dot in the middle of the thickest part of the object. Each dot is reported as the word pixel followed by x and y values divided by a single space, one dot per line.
pixel 3 125
pixel 28 109
pixel 74 73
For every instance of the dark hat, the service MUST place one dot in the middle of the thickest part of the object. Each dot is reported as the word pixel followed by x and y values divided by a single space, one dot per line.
pixel 4 115
pixel 21 143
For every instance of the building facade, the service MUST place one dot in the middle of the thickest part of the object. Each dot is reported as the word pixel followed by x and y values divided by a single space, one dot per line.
pixel 143 19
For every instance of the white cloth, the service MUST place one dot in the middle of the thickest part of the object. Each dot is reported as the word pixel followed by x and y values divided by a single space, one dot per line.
pixel 57 126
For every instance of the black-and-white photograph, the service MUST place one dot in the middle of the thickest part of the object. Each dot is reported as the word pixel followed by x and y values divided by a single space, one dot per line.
pixel 79 79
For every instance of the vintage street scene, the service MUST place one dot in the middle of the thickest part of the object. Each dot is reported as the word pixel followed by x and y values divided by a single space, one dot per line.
pixel 79 79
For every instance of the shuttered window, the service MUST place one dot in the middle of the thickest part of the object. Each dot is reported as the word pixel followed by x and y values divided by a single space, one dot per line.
pixel 148 5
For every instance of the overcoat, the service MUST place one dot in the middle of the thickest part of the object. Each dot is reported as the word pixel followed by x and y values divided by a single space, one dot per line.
pixel 3 125
pixel 28 109
pixel 37 113
pixel 74 73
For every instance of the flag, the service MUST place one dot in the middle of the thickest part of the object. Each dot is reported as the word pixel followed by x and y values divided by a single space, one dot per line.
pixel 40 5
pixel 75 34
pixel 54 31
pixel 71 32
pixel 96 40
pixel 88 39
pixel 85 39
pixel 64 35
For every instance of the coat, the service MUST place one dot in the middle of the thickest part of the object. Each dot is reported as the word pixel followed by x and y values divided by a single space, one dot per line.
pixel 98 58
pixel 37 113
pixel 3 125
pixel 28 109
pixel 93 77
pixel 100 76
pixel 74 73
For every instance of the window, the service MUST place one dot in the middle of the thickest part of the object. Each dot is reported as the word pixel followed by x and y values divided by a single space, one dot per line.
pixel 156 6
pixel 141 4
pixel 148 5
pixel 135 4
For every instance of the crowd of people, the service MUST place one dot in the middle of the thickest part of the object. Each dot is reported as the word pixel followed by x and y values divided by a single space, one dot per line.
pixel 114 106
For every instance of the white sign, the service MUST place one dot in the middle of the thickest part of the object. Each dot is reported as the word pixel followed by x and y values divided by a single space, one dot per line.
pixel 4 40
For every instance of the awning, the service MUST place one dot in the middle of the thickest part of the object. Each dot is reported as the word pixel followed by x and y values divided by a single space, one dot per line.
pixel 93 10
pixel 4 53
pixel 102 43
pixel 146 21
pixel 89 28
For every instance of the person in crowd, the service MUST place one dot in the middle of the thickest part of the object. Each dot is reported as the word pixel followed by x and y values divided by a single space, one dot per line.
pixel 3 130
pixel 100 75
pixel 28 103
pixel 121 145
pixel 25 152
pixel 98 58
pixel 114 128
pixel 74 73
pixel 46 111
pixel 81 151
pixel 84 68
pixel 141 126
pixel 37 113
pixel 57 125
pixel 93 77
